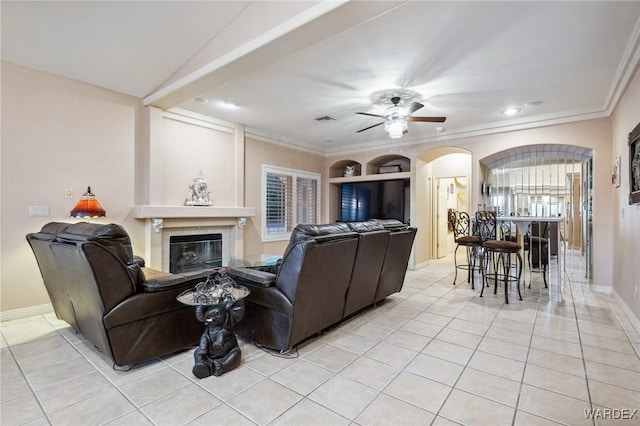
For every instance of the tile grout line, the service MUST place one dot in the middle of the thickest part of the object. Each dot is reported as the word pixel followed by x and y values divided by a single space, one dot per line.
pixel 24 377
pixel 99 370
pixel 526 364
pixel 468 361
pixel 584 364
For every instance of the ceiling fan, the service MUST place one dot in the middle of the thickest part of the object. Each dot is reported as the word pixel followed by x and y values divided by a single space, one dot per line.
pixel 397 117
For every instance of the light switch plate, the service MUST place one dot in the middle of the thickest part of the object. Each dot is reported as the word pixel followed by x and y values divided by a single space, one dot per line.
pixel 68 193
pixel 38 210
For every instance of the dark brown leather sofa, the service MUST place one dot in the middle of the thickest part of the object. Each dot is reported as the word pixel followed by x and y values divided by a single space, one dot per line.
pixel 327 273
pixel 102 290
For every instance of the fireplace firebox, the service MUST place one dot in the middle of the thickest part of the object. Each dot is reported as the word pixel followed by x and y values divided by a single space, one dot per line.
pixel 194 252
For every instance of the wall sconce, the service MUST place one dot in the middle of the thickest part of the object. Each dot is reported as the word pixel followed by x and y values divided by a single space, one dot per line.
pixel 88 206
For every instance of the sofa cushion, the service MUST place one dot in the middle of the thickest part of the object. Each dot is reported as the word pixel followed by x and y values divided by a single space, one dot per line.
pixel 306 232
pixel 367 226
pixel 55 227
pixel 391 224
pixel 112 236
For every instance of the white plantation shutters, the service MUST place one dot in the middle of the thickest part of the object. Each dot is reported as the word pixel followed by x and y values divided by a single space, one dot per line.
pixel 290 197
pixel 307 194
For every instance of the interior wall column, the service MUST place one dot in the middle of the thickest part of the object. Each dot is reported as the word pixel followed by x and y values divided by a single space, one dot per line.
pixel 239 142
pixel 153 239
pixel 155 155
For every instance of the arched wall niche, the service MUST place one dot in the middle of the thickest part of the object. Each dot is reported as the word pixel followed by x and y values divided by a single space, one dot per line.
pixel 386 160
pixel 337 169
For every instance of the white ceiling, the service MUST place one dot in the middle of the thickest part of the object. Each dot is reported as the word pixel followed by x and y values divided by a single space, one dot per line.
pixel 284 64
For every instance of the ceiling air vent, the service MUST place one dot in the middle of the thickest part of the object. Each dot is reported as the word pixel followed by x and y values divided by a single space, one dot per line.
pixel 325 118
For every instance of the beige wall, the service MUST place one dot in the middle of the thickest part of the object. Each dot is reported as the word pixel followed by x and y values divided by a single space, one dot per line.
pixel 189 149
pixel 420 215
pixel 626 230
pixel 58 133
pixel 258 153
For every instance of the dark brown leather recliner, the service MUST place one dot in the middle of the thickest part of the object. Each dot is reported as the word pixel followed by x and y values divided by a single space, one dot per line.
pixel 396 259
pixel 306 295
pixel 99 287
pixel 373 240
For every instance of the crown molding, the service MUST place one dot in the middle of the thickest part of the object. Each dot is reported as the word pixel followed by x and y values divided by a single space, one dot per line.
pixel 626 70
pixel 263 136
pixel 197 119
pixel 481 130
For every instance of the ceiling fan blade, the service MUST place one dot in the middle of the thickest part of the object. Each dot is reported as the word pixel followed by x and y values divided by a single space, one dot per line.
pixel 370 115
pixel 370 127
pixel 428 119
pixel 414 107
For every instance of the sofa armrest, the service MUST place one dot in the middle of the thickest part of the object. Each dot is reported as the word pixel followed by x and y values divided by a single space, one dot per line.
pixel 162 281
pixel 252 276
pixel 137 260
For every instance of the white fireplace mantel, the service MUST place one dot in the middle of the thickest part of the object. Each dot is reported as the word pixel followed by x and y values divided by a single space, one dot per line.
pixel 159 213
pixel 182 212
pixel 163 221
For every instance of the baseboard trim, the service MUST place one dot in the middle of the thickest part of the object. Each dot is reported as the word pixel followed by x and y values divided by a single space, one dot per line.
pixel 635 322
pixel 602 289
pixel 25 312
pixel 420 265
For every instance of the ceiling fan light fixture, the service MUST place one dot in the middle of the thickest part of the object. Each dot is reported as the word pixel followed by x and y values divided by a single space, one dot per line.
pixel 396 127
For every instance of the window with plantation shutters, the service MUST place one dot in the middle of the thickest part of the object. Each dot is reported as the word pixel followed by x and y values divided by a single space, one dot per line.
pixel 290 197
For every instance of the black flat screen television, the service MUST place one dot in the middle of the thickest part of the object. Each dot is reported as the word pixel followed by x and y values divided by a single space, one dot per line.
pixel 372 200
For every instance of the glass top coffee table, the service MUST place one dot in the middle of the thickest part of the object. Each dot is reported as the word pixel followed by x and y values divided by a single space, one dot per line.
pixel 255 261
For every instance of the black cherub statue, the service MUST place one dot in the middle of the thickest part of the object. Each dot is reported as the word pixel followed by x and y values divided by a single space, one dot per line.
pixel 218 351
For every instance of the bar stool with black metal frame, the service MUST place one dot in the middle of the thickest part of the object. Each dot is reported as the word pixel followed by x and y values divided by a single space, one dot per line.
pixel 462 234
pixel 497 256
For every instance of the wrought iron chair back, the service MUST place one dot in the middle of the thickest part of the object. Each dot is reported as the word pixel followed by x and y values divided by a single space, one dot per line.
pixel 460 223
pixel 486 223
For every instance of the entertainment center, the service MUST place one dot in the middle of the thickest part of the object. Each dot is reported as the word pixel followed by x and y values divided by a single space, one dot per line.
pixel 378 189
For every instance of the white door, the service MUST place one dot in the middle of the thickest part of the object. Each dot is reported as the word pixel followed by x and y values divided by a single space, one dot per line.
pixel 442 219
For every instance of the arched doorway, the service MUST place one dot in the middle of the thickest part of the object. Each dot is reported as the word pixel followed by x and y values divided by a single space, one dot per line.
pixel 546 180
pixel 443 183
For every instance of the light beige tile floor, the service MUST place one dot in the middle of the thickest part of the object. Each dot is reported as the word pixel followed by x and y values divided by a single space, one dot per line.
pixel 433 354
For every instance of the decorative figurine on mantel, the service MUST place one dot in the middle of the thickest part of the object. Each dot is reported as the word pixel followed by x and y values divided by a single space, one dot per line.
pixel 200 194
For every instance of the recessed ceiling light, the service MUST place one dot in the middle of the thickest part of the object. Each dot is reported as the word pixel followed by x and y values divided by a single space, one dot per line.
pixel 533 103
pixel 511 111
pixel 229 105
pixel 440 129
pixel 200 100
